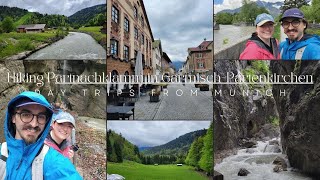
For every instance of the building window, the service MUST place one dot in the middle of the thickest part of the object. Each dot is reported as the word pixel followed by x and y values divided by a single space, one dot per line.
pixel 127 77
pixel 198 55
pixel 126 25
pixel 142 21
pixel 114 47
pixel 143 61
pixel 136 33
pixel 142 39
pixel 135 12
pixel 115 14
pixel 126 52
pixel 114 75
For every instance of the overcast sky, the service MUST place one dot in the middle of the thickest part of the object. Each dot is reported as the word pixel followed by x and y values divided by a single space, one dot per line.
pixel 180 24
pixel 64 7
pixel 154 133
pixel 220 5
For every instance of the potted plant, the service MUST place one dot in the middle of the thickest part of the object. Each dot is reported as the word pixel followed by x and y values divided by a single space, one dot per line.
pixel 154 95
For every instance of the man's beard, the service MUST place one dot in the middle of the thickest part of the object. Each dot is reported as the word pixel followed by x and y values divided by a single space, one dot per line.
pixel 27 138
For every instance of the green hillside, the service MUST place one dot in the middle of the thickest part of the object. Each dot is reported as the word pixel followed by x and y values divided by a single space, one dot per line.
pixel 92 16
pixel 118 148
pixel 177 146
pixel 135 171
pixel 24 19
pixel 13 12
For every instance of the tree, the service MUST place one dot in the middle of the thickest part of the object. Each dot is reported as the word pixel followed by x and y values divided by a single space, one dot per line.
pixel 7 24
pixel 311 12
pixel 224 18
pixel 288 4
pixel 109 149
pixel 194 154
pixel 206 160
pixel 249 11
pixel 118 151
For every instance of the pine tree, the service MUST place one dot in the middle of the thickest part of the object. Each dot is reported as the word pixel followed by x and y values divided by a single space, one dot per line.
pixel 118 151
pixel 206 160
pixel 288 4
pixel 109 149
pixel 7 24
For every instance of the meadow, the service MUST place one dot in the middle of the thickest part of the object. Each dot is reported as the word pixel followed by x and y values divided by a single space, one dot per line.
pixel 135 171
pixel 14 43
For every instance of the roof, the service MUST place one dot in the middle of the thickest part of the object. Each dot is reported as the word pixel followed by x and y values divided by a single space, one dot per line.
pixel 202 47
pixel 166 57
pixel 32 26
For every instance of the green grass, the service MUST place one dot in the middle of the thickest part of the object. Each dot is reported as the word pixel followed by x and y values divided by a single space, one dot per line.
pixel 23 19
pixel 135 171
pixel 14 43
pixel 94 31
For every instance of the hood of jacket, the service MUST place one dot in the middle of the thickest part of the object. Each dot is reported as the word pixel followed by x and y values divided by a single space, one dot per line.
pixel 22 155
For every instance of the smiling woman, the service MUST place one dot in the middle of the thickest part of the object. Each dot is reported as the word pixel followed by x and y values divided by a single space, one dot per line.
pixel 262 46
pixel 60 133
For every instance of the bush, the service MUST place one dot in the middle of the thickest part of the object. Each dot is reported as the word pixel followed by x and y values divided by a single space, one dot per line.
pixel 25 44
pixel 274 120
pixel 261 66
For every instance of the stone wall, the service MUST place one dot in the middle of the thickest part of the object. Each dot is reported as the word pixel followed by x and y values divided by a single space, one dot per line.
pixel 231 52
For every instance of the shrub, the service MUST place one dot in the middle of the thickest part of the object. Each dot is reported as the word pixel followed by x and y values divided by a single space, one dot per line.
pixel 25 44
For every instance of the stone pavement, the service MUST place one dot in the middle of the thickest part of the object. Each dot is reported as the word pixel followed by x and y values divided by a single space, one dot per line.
pixel 178 104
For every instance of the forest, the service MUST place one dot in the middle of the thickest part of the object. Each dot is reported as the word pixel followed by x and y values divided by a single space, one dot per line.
pixel 194 149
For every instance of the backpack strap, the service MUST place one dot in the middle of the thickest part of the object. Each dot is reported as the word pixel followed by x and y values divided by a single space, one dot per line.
pixel 37 164
pixel 299 53
pixel 3 160
pixel 281 52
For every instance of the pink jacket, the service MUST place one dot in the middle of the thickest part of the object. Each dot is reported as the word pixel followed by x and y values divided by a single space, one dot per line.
pixel 64 151
pixel 255 51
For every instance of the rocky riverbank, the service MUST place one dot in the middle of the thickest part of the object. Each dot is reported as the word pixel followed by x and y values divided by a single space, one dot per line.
pixel 91 157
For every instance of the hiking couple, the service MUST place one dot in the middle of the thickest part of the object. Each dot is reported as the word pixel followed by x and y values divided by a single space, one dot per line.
pixel 298 45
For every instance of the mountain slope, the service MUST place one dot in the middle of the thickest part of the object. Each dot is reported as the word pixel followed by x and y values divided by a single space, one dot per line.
pixel 273 8
pixel 13 12
pixel 86 15
pixel 177 146
pixel 117 144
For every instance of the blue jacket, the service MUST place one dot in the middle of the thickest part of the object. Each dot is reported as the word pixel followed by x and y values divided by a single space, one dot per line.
pixel 21 156
pixel 311 52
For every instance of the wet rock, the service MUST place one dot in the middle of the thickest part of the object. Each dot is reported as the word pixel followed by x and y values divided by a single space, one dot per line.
pixel 299 115
pixel 243 172
pixel 280 163
pixel 272 148
pixel 247 143
pixel 274 142
pixel 239 116
pixel 217 175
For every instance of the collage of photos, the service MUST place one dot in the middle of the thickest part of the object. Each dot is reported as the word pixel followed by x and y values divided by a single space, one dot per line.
pixel 160 90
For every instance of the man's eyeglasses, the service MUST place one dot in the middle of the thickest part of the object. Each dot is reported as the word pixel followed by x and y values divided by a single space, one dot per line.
pixel 27 117
pixel 295 23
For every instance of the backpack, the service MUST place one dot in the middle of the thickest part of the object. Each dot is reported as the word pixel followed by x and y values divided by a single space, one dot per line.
pixel 37 164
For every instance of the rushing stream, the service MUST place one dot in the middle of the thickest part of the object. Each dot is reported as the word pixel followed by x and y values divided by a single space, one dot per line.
pixel 74 46
pixel 258 161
